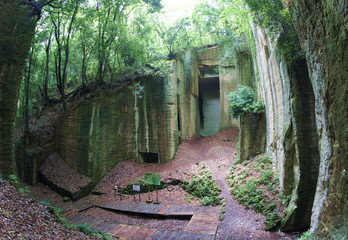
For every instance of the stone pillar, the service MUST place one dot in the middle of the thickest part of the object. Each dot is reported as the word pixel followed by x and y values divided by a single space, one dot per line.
pixel 252 135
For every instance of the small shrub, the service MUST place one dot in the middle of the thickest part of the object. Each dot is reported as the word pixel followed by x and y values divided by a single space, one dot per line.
pixel 144 186
pixel 253 191
pixel 24 190
pixel 237 159
pixel 266 176
pixel 242 101
pixel 66 199
pixel 306 235
pixel 264 159
pixel 13 179
pixel 203 187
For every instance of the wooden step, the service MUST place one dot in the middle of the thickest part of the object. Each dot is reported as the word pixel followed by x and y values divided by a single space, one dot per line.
pixel 127 232
pixel 203 223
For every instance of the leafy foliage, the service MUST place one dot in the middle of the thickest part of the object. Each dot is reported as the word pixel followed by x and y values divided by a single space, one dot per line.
pixel 270 15
pixel 14 180
pixel 256 192
pixel 242 101
pixel 203 187
pixel 306 235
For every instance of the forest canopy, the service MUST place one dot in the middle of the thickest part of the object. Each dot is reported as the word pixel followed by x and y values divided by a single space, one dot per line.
pixel 82 42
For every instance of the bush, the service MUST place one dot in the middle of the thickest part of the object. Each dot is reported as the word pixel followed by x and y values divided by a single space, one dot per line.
pixel 204 188
pixel 242 101
pixel 252 191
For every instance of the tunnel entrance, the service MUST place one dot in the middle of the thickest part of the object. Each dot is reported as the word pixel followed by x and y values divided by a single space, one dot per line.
pixel 148 157
pixel 209 105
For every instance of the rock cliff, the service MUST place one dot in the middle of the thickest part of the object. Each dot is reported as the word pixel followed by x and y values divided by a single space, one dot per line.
pixel 306 115
pixel 322 29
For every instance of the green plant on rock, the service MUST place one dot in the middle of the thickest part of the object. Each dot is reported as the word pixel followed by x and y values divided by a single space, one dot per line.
pixel 203 187
pixel 243 101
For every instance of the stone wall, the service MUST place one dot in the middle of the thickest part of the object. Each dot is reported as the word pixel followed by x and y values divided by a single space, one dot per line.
pixel 204 63
pixel 291 128
pixel 233 72
pixel 94 135
pixel 186 73
pixel 252 135
pixel 322 28
pixel 117 125
pixel 158 119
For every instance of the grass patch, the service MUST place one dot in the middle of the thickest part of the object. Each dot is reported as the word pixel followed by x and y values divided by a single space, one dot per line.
pixel 253 184
pixel 203 187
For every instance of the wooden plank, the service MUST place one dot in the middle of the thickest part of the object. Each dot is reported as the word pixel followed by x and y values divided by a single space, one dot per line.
pixel 114 231
pixel 208 230
pixel 127 232
pixel 104 227
pixel 203 222
pixel 204 216
pixel 143 234
pixel 180 214
pixel 202 226
pixel 164 210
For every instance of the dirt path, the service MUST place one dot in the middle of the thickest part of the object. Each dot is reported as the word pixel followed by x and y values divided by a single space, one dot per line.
pixel 217 152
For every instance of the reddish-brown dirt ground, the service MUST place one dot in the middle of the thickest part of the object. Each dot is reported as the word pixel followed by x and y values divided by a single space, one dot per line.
pixel 214 152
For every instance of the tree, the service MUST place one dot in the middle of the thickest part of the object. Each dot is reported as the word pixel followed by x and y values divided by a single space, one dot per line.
pixel 174 36
pixel 18 21
pixel 62 37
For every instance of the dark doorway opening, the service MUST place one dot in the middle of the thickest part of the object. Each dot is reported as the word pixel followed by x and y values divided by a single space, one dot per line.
pixel 209 105
pixel 178 106
pixel 148 157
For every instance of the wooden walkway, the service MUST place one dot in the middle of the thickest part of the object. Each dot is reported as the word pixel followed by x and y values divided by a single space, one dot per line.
pixel 202 225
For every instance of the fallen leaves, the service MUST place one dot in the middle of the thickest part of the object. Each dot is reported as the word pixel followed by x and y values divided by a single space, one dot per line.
pixel 23 218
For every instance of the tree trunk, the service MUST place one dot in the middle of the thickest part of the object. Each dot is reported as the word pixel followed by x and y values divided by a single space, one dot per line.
pixel 27 95
pixel 18 24
pixel 47 70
